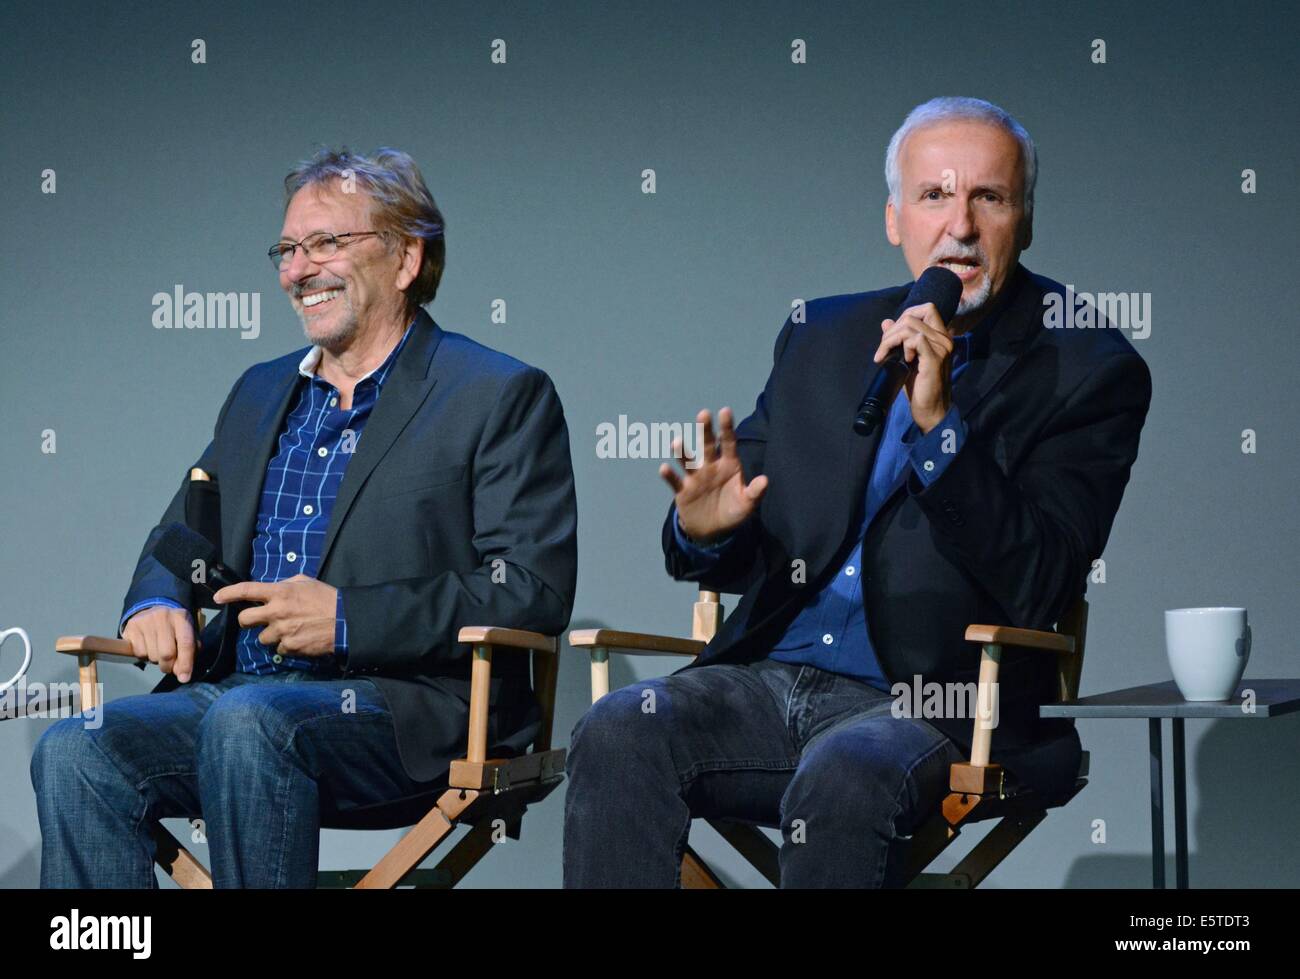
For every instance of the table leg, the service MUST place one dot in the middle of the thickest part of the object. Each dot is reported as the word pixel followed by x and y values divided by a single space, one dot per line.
pixel 1180 807
pixel 1157 805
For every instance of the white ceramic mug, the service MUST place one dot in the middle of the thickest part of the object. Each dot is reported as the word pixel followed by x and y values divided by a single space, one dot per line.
pixel 27 655
pixel 1208 649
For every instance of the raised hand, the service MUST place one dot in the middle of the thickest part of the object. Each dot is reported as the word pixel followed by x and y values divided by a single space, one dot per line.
pixel 712 498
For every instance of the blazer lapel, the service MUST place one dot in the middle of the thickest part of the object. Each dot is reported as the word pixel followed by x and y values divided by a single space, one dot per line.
pixel 404 391
pixel 1014 328
pixel 827 492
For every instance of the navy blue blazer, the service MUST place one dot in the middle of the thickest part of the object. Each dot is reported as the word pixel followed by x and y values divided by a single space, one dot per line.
pixel 1005 536
pixel 464 462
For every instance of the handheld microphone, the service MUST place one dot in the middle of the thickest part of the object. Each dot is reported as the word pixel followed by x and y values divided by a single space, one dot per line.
pixel 935 285
pixel 179 548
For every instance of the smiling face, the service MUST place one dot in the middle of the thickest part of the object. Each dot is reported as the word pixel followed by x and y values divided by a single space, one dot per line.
pixel 357 288
pixel 960 205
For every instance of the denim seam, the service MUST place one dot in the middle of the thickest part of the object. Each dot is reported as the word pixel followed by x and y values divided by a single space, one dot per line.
pixel 747 765
pixel 679 849
pixel 282 795
pixel 150 858
pixel 694 772
pixel 283 788
pixel 893 829
pixel 299 725
pixel 789 703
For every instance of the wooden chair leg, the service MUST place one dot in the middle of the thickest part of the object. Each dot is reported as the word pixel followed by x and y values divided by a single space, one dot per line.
pixel 696 874
pixel 462 858
pixel 178 862
pixel 419 842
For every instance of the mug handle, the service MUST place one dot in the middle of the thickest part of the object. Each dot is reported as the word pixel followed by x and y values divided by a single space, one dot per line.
pixel 27 656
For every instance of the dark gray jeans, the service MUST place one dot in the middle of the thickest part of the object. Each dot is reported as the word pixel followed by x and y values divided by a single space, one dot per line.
pixel 820 755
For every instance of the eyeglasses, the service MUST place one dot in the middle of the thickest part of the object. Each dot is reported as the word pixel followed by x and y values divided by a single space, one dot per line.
pixel 321 245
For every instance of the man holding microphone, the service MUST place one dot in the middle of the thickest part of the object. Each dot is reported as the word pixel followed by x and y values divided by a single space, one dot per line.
pixel 984 496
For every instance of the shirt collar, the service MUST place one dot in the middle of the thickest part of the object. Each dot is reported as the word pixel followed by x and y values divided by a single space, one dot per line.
pixel 307 366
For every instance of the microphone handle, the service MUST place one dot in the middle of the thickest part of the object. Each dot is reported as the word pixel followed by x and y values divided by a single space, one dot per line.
pixel 219 576
pixel 884 388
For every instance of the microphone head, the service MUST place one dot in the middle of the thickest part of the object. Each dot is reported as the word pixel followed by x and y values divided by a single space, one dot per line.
pixel 940 286
pixel 179 547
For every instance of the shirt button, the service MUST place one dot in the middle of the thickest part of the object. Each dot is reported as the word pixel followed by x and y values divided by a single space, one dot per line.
pixel 308 510
pixel 322 452
pixel 277 658
pixel 849 571
pixel 291 557
pixel 928 465
pixel 828 639
pixel 333 402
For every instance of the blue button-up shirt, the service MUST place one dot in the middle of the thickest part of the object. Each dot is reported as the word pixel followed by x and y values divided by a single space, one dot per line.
pixel 830 631
pixel 298 494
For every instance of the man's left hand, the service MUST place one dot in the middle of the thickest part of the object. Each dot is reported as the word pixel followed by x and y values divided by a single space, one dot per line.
pixel 298 613
pixel 928 348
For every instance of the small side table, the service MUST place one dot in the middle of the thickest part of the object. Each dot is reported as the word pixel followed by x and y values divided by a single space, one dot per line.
pixel 1155 701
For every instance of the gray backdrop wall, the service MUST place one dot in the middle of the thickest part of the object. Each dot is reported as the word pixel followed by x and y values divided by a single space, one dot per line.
pixel 769 188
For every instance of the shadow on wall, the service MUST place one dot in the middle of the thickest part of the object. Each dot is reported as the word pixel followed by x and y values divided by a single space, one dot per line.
pixel 1243 790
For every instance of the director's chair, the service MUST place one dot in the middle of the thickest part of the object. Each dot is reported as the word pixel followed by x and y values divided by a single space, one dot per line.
pixel 978 790
pixel 486 794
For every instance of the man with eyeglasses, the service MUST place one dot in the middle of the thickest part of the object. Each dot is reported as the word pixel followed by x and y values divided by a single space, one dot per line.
pixel 383 488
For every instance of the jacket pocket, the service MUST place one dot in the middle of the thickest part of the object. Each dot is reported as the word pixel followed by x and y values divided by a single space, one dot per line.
pixel 412 482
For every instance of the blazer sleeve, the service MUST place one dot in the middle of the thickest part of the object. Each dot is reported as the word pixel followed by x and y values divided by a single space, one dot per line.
pixel 151 580
pixel 735 566
pixel 525 533
pixel 1030 539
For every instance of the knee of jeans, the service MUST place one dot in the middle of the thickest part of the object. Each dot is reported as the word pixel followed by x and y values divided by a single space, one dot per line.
pixel 62 748
pixel 610 730
pixel 238 715
pixel 845 777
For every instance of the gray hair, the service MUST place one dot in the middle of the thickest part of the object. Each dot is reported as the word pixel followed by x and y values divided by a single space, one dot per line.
pixel 400 204
pixel 947 108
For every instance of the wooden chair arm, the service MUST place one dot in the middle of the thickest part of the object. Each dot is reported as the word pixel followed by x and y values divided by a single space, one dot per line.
pixel 484 639
pixel 634 643
pixel 602 642
pixel 489 635
pixel 100 648
pixel 978 777
pixel 1005 635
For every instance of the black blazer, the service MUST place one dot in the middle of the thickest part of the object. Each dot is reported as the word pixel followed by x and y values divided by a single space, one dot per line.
pixel 463 463
pixel 1005 536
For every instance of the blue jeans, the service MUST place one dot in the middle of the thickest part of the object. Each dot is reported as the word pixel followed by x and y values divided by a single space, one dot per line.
pixel 254 756
pixel 817 754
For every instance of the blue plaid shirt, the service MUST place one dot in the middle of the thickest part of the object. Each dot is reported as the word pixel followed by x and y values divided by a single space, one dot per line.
pixel 830 632
pixel 302 482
